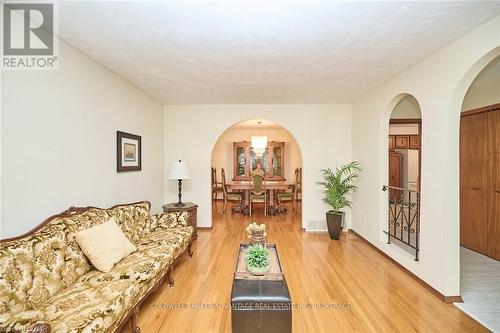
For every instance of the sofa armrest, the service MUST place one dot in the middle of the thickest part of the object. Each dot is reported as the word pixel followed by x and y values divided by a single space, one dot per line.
pixel 170 220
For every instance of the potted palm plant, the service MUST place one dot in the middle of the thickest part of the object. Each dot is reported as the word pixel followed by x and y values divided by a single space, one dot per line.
pixel 337 185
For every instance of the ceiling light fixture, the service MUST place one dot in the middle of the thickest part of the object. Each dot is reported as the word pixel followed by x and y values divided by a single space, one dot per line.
pixel 259 142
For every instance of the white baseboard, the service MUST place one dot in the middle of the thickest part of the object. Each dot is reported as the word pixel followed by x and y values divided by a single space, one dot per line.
pixel 316 225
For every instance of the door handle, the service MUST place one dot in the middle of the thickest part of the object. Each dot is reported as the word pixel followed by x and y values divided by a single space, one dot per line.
pixel 476 188
pixel 498 191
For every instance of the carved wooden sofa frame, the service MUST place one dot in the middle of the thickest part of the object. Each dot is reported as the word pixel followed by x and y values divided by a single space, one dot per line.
pixel 133 313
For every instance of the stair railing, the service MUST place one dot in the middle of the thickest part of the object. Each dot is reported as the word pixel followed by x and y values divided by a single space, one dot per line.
pixel 403 223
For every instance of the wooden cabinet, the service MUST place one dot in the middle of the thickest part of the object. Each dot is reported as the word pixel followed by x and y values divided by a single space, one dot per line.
pixel 493 238
pixel 414 142
pixel 479 182
pixel 392 140
pixel 394 172
pixel 402 142
pixel 473 182
pixel 240 160
pixel 272 161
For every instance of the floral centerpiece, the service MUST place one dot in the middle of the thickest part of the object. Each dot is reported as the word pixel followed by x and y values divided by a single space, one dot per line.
pixel 256 233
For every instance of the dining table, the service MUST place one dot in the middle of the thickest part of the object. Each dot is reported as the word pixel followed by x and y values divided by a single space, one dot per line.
pixel 272 186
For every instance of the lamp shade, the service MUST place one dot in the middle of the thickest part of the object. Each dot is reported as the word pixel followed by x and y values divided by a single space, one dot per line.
pixel 179 170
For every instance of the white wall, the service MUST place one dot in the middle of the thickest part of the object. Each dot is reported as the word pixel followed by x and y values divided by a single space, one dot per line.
pixel 222 154
pixel 407 108
pixel 59 141
pixel 439 83
pixel 191 131
pixel 486 91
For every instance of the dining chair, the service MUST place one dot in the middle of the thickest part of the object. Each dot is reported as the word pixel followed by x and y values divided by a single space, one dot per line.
pixel 298 190
pixel 258 193
pixel 216 186
pixel 289 195
pixel 230 195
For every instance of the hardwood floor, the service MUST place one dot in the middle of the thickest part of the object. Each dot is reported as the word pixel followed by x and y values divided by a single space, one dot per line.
pixel 318 270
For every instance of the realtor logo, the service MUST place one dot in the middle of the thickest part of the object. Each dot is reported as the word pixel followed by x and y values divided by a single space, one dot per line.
pixel 28 36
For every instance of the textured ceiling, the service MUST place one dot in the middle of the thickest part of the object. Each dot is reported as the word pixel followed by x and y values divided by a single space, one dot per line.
pixel 264 52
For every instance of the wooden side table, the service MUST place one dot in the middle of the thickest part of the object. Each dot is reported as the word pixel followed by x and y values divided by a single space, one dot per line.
pixel 190 207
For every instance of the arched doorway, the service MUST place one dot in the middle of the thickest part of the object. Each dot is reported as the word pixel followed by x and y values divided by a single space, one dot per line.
pixel 234 159
pixel 480 196
pixel 404 164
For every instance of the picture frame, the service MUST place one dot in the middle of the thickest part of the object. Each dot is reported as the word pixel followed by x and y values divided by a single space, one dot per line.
pixel 128 152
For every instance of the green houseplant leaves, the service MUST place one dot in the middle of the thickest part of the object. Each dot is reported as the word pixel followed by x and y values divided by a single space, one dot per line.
pixel 338 184
pixel 257 256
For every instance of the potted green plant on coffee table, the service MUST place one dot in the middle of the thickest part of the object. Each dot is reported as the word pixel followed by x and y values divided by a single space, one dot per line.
pixel 257 259
pixel 337 185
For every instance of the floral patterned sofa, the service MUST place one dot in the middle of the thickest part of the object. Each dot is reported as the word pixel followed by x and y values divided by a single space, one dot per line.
pixel 48 285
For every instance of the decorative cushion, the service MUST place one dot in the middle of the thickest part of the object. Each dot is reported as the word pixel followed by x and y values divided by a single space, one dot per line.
pixel 104 245
pixel 234 196
pixel 285 196
pixel 170 220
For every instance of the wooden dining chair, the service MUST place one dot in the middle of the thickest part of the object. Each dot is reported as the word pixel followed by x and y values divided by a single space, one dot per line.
pixel 216 186
pixel 298 190
pixel 230 195
pixel 282 197
pixel 258 193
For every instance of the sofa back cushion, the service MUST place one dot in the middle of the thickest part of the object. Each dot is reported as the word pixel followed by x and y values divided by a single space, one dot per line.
pixel 36 267
pixel 16 278
pixel 173 219
pixel 133 220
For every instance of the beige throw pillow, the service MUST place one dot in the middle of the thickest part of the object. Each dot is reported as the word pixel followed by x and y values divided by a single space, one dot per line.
pixel 104 244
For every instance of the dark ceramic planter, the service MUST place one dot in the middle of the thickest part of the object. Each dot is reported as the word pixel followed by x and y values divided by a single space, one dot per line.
pixel 335 223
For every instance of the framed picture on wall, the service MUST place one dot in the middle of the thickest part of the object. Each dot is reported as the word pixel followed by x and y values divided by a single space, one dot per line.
pixel 129 152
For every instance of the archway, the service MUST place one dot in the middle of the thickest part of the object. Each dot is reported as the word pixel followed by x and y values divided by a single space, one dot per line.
pixel 233 159
pixel 404 164
pixel 480 194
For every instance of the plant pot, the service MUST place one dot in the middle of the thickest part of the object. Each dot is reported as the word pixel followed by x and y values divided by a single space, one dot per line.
pixel 335 223
pixel 257 237
pixel 257 270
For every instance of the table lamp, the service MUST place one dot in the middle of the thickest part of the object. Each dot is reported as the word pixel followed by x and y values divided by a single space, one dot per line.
pixel 179 171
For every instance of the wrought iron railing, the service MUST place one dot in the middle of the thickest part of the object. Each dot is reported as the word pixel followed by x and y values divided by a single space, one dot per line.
pixel 403 223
